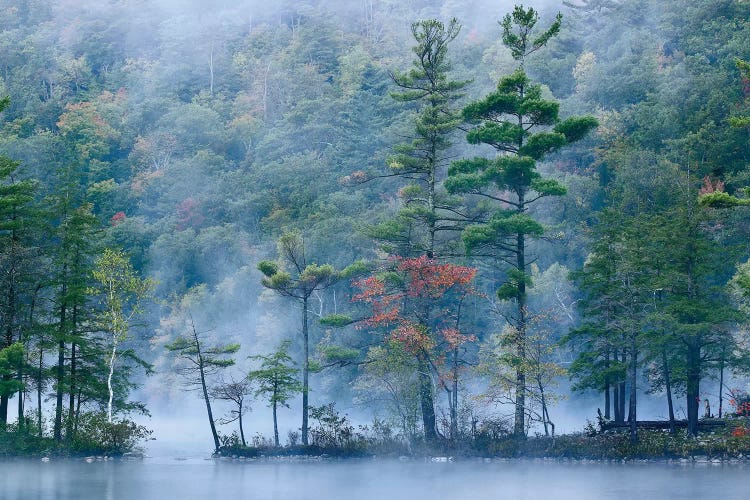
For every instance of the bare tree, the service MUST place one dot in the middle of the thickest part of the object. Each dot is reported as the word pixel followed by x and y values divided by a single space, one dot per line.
pixel 236 392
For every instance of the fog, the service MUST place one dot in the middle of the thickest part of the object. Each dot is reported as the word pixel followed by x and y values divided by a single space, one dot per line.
pixel 369 480
pixel 200 132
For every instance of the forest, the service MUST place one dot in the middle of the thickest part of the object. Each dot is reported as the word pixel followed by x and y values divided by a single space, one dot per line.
pixel 382 226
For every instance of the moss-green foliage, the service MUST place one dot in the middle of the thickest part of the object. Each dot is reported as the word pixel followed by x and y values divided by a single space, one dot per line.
pixel 93 435
pixel 659 445
pixel 131 143
pixel 10 358
pixel 336 320
pixel 268 268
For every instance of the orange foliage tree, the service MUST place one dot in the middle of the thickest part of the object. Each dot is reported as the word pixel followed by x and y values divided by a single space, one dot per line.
pixel 418 301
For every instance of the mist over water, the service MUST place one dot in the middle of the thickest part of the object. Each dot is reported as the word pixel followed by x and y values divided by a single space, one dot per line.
pixel 367 480
pixel 226 124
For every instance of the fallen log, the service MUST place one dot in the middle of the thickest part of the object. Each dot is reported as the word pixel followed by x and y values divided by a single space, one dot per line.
pixel 705 424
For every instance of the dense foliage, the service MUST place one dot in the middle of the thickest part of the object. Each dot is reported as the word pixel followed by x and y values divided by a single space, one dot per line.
pixel 281 200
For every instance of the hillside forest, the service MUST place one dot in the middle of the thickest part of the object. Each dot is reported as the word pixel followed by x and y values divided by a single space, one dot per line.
pixel 443 217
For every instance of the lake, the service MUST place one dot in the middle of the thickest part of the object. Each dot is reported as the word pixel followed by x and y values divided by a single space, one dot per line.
pixel 167 478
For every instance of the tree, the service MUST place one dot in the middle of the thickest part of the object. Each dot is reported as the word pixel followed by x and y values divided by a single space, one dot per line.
pixel 307 278
pixel 72 257
pixel 121 294
pixel 17 254
pixel 542 369
pixel 199 362
pixel 403 299
pixel 277 381
pixel 508 120
pixel 600 362
pixel 426 210
pixel 712 193
pixel 390 381
pixel 234 391
pixel 696 315
pixel 10 358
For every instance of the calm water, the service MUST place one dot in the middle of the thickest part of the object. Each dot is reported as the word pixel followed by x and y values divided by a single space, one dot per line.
pixel 201 479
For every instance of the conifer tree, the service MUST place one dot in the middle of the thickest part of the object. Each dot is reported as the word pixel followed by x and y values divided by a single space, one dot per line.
pixel 304 279
pixel 18 220
pixel 426 212
pixel 72 265
pixel 277 381
pixel 199 362
pixel 600 363
pixel 522 127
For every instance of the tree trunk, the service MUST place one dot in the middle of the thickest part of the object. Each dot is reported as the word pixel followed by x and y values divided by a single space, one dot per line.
pixel 633 387
pixel 211 70
pixel 543 399
pixel 275 426
pixel 10 311
pixel 616 397
pixel 73 359
pixel 78 412
pixel 59 391
pixel 21 399
pixel 607 400
pixel 39 380
pixel 72 398
pixel 693 385
pixel 426 399
pixel 60 372
pixel 109 380
pixel 668 384
pixel 519 424
pixel 201 370
pixel 721 384
pixel 242 431
pixel 72 395
pixel 454 398
pixel 305 372
pixel 621 402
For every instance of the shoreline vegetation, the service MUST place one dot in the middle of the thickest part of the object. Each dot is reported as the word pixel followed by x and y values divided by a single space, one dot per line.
pixel 333 436
pixel 725 446
pixel 731 443
pixel 448 226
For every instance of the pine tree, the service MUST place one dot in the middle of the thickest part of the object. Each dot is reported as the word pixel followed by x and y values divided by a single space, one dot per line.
pixel 72 263
pixel 305 279
pixel 277 381
pixel 18 221
pixel 509 120
pixel 199 362
pixel 426 212
pixel 600 362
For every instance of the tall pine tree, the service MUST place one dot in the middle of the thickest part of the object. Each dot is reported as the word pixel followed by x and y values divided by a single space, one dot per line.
pixel 522 127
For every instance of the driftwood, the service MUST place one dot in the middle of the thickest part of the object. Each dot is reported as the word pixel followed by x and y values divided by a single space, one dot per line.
pixel 704 424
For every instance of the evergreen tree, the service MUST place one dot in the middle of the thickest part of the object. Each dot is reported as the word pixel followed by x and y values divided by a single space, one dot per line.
pixel 199 362
pixel 18 257
pixel 72 263
pixel 277 381
pixel 508 120
pixel 305 279
pixel 426 212
pixel 601 363
pixel 696 314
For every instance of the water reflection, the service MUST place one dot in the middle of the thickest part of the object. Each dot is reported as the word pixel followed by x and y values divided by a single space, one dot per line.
pixel 390 480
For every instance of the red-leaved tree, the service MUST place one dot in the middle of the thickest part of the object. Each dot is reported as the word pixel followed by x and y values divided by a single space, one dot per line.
pixel 417 301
